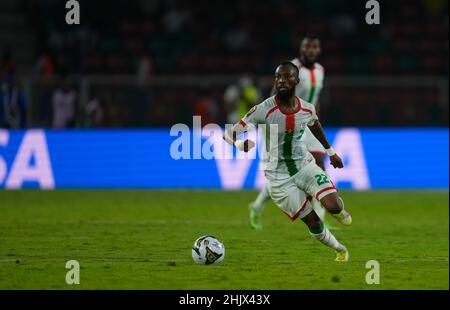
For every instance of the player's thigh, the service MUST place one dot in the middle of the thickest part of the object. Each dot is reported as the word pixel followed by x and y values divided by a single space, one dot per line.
pixel 315 181
pixel 293 201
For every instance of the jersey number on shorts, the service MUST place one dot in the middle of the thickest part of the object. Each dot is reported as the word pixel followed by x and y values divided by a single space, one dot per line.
pixel 321 179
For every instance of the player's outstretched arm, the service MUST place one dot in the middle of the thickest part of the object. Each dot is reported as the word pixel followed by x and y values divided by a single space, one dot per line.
pixel 231 134
pixel 317 131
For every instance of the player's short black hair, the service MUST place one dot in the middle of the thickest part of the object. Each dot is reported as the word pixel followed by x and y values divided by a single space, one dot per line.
pixel 309 37
pixel 289 63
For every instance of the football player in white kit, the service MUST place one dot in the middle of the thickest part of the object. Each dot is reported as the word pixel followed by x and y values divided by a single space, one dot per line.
pixel 293 177
pixel 311 75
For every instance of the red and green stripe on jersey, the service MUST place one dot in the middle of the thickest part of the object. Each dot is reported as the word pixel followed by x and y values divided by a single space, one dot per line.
pixel 312 89
pixel 288 142
pixel 289 132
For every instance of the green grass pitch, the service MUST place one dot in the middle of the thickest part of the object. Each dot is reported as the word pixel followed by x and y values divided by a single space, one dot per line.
pixel 143 239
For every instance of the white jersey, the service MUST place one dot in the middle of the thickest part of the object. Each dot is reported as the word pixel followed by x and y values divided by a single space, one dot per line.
pixel 285 150
pixel 311 81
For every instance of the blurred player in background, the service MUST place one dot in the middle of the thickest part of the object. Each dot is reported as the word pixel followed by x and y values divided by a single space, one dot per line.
pixel 13 104
pixel 240 98
pixel 311 76
pixel 64 106
pixel 292 174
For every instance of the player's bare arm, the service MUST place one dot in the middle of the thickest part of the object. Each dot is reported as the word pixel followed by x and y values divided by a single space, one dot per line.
pixel 317 131
pixel 231 135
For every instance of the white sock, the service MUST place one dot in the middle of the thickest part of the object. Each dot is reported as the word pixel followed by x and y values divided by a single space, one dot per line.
pixel 327 238
pixel 263 196
pixel 318 208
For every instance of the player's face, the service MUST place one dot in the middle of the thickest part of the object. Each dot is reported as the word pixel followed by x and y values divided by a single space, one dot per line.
pixel 310 49
pixel 286 78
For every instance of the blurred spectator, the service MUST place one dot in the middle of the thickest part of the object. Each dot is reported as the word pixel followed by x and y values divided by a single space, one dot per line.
pixel 55 39
pixel 240 99
pixel 145 69
pixel 207 108
pixel 236 38
pixel 250 95
pixel 209 30
pixel 44 66
pixel 13 104
pixel 175 19
pixel 8 67
pixel 227 38
pixel 64 105
pixel 231 100
pixel 343 25
pixel 93 113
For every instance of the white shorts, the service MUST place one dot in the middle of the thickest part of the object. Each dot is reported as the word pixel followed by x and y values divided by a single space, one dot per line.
pixel 293 194
pixel 312 144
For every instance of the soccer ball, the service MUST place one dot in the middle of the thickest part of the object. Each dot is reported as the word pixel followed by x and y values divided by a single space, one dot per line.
pixel 208 250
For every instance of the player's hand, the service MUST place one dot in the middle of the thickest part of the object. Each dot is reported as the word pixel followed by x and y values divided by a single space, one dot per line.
pixel 246 145
pixel 336 161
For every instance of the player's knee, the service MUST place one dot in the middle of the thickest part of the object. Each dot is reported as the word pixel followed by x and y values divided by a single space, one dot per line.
pixel 333 206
